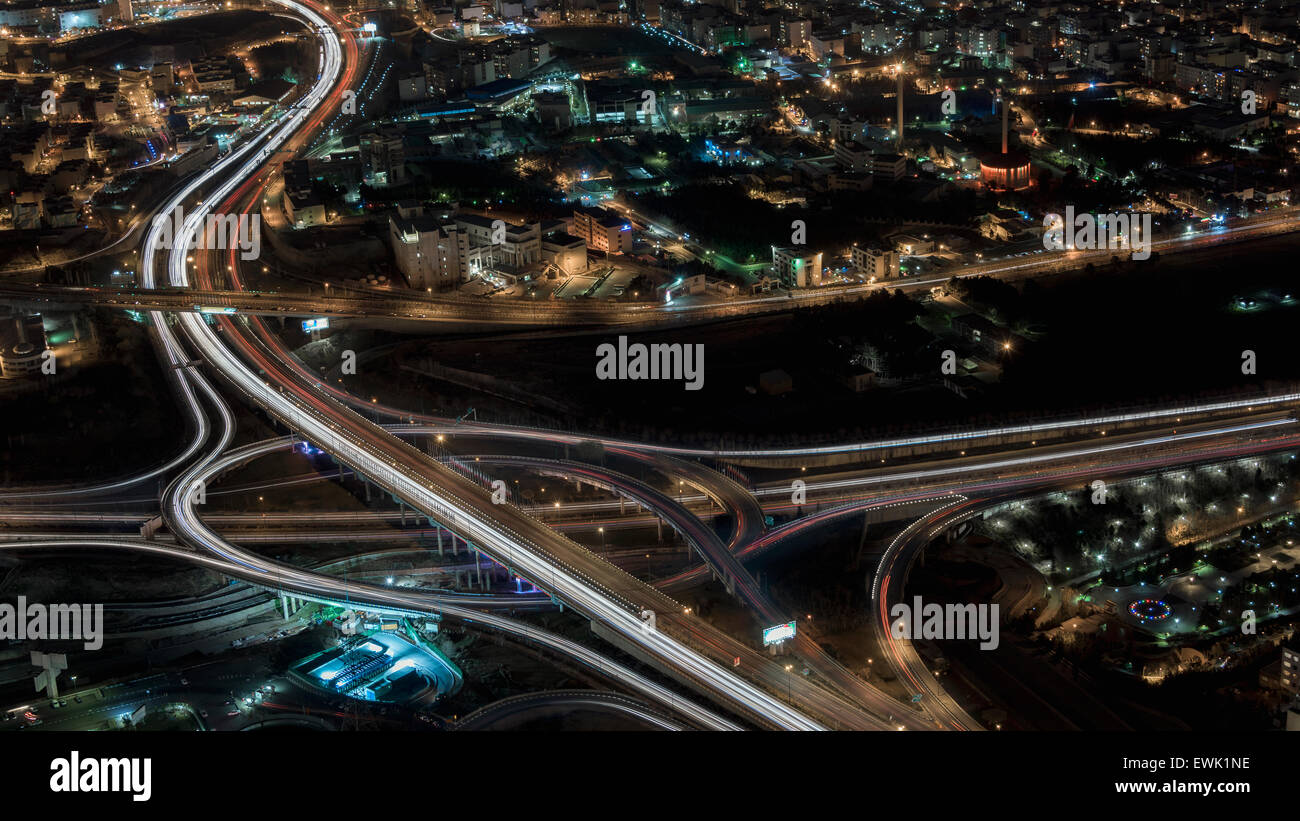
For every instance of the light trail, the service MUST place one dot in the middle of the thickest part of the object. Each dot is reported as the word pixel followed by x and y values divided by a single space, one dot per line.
pixel 401 604
pixel 508 535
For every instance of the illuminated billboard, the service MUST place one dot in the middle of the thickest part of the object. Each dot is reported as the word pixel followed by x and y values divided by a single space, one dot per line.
pixel 778 634
pixel 318 324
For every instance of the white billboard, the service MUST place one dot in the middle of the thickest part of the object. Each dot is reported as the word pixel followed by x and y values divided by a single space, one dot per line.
pixel 778 634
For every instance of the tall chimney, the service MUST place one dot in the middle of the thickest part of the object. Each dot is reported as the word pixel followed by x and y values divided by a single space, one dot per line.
pixel 1004 124
pixel 900 108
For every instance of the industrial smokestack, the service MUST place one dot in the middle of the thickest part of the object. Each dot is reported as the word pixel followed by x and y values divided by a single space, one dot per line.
pixel 900 109
pixel 1004 124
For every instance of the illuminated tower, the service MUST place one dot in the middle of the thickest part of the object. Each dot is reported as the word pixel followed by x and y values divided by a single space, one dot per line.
pixel 899 118
pixel 1009 170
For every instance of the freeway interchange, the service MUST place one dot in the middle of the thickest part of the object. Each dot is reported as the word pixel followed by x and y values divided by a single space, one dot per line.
pixel 253 366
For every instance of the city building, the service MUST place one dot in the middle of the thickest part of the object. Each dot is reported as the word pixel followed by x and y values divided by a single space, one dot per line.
pixel 797 267
pixel 213 74
pixel 876 263
pixel 511 246
pixel 567 252
pixel 22 345
pixel 890 167
pixel 1290 675
pixel 603 230
pixel 430 251
pixel 384 157
pixel 854 156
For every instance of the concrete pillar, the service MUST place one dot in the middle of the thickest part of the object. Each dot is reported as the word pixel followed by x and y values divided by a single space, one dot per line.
pixel 367 484
pixel 439 542
pixel 620 505
pixel 284 606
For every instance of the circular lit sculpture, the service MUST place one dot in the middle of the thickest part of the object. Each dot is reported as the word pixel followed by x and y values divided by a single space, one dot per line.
pixel 1150 610
pixel 1010 171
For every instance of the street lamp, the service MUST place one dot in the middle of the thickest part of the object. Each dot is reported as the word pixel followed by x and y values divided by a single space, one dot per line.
pixel 602 537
